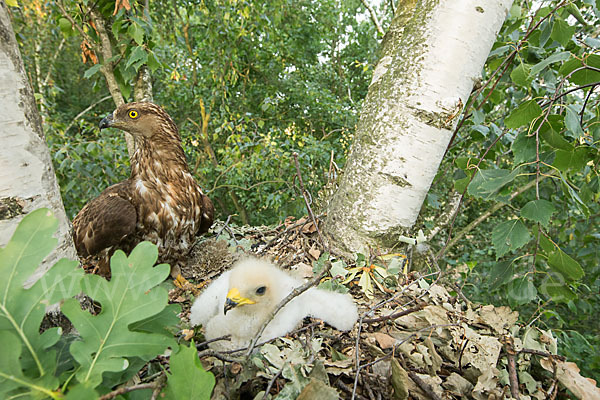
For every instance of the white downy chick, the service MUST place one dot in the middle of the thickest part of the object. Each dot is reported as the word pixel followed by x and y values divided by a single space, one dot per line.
pixel 241 299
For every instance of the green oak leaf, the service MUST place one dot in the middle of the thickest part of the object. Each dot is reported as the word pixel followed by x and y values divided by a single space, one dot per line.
pixel 22 310
pixel 132 295
pixel 188 380
pixel 508 236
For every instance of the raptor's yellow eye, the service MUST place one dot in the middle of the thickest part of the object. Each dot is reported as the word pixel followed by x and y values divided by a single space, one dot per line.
pixel 133 114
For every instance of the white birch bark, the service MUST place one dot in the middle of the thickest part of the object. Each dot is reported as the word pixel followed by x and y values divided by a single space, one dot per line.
pixel 431 57
pixel 27 180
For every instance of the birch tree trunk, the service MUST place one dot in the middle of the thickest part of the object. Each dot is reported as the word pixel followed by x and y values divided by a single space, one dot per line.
pixel 27 179
pixel 431 57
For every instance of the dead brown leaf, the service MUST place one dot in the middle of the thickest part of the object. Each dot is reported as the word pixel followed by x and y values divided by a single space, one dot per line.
pixel 121 4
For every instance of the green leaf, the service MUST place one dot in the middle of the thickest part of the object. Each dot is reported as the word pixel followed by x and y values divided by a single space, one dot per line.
pixel 520 75
pixel 132 295
pixel 572 122
pixel 153 62
pixel 557 289
pixel 137 58
pixel 538 211
pixel 523 115
pixel 136 33
pixel 500 274
pixel 65 25
pixel 91 71
pixel 556 57
pixel 574 11
pixel 508 236
pixel 489 181
pixel 12 3
pixel 188 380
pixel 562 32
pixel 560 262
pixel 523 147
pixel 584 76
pixel 22 310
pixel 550 133
pixel 574 159
pixel 521 290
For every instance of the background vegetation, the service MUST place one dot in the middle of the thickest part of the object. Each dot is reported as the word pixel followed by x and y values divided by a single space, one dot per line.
pixel 248 83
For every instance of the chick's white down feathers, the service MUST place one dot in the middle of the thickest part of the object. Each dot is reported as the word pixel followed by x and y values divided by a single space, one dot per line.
pixel 265 285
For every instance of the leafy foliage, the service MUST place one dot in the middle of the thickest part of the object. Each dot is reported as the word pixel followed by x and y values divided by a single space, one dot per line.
pixel 527 149
pixel 131 328
pixel 129 297
pixel 188 380
pixel 26 363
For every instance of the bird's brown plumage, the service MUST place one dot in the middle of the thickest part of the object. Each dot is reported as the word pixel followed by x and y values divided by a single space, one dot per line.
pixel 160 202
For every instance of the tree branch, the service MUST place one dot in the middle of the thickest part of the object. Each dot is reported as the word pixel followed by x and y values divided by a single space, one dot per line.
pixel 373 17
pixel 485 216
pixel 74 120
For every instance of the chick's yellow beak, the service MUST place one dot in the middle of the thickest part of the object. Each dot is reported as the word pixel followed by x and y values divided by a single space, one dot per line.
pixel 234 299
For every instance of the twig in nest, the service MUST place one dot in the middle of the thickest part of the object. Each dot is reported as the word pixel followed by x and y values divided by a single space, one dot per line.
pixel 272 381
pixel 347 389
pixel 395 315
pixel 423 385
pixel 127 389
pixel 312 324
pixel 393 351
pixel 512 369
pixel 542 353
pixel 217 339
pixel 225 225
pixel 159 385
pixel 220 356
pixel 306 201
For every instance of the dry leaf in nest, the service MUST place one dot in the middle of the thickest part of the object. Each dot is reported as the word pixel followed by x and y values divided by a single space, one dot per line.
pixel 314 252
pixel 188 334
pixel 385 341
pixel 457 385
pixel 487 385
pixel 568 375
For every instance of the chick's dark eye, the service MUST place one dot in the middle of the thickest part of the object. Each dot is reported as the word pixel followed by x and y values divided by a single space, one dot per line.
pixel 261 290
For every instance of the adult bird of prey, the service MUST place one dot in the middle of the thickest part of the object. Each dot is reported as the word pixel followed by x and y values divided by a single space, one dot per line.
pixel 239 302
pixel 160 202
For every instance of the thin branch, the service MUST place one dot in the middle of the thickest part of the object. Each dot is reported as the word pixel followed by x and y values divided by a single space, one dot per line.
pixel 509 348
pixel 81 114
pixel 485 216
pixel 306 201
pixel 587 98
pixel 127 389
pixel 272 381
pixel 395 315
pixel 373 17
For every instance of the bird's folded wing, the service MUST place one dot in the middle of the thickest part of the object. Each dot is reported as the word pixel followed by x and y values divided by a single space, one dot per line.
pixel 337 309
pixel 211 301
pixel 103 223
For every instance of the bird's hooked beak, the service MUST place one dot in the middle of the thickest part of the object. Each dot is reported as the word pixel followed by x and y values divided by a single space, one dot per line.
pixel 106 121
pixel 234 299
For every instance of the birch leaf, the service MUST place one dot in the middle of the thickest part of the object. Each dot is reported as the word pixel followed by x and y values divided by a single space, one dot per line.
pixel 509 236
